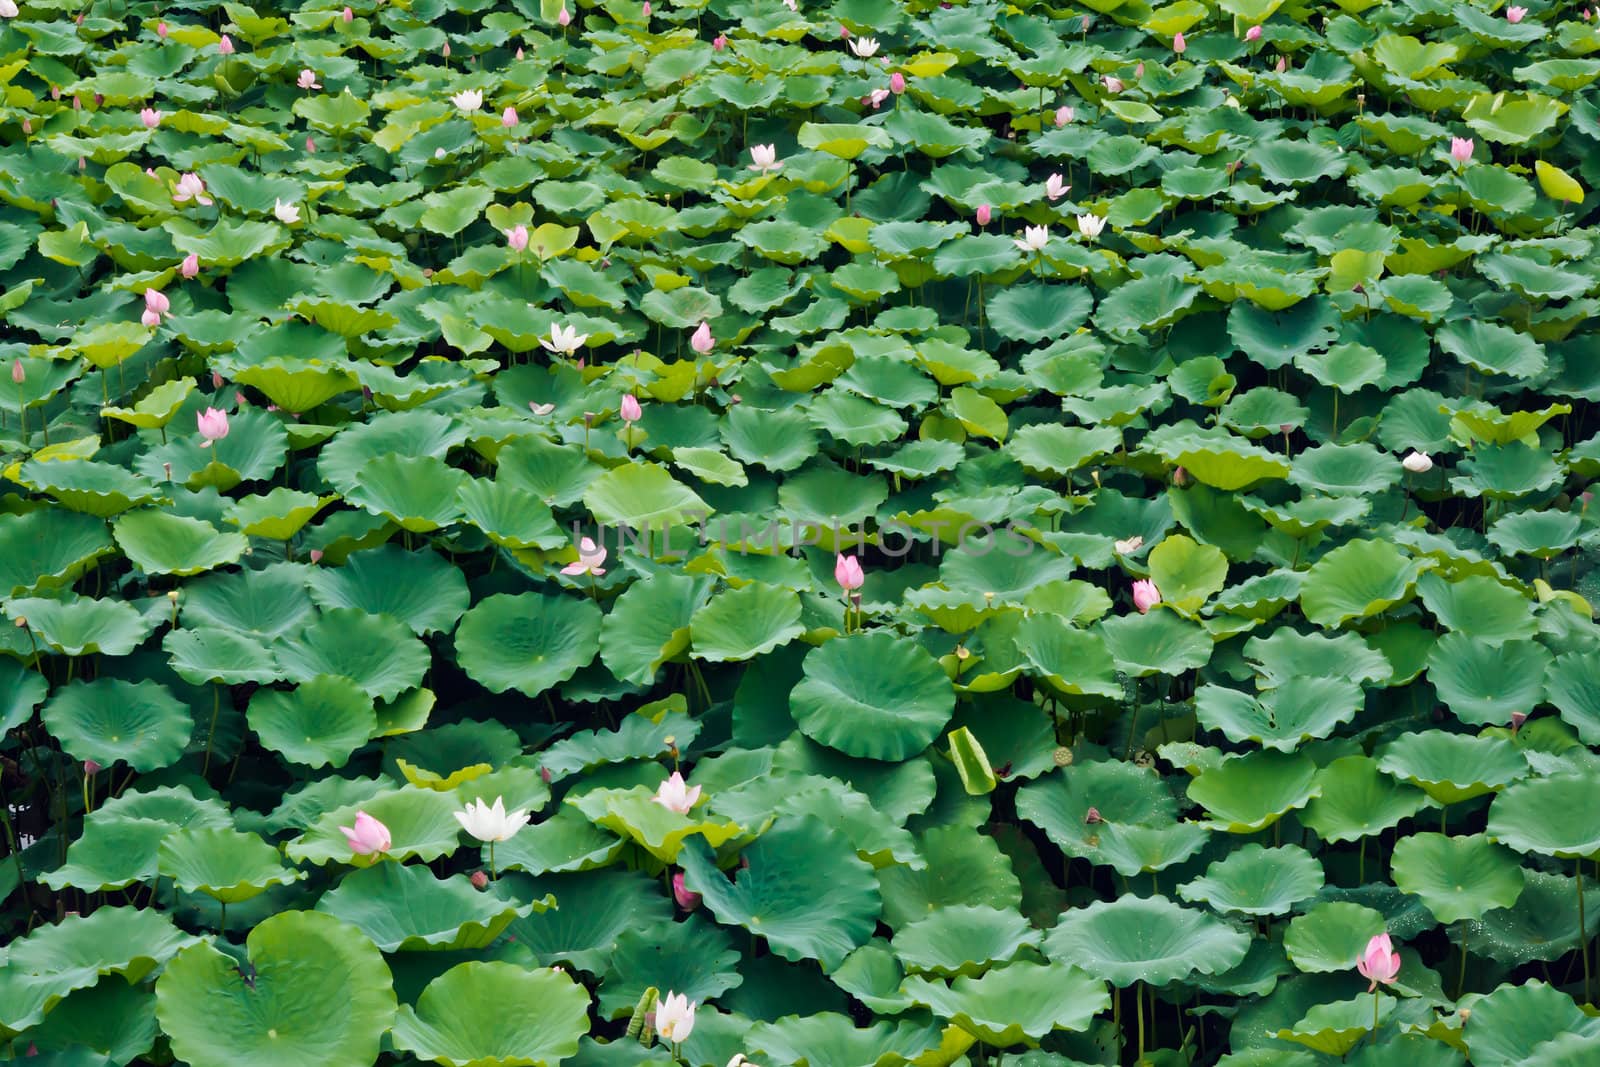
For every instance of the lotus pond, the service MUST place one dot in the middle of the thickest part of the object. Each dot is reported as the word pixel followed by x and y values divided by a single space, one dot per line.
pixel 837 534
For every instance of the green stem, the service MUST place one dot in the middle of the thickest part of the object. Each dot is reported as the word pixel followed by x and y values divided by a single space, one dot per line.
pixel 1461 975
pixel 1583 934
pixel 1376 1003
pixel 1138 1009
pixel 493 874
pixel 211 735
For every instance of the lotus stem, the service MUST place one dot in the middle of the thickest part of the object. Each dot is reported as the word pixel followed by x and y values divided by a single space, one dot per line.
pixel 1376 1004
pixel 1138 1009
pixel 1583 932
pixel 493 873
pixel 1461 975
pixel 211 735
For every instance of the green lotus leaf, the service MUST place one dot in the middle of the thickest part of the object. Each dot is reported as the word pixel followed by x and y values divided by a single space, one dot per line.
pixel 376 652
pixel 202 656
pixel 160 543
pixel 1157 643
pixel 115 1020
pixel 112 853
pixel 1016 1004
pixel 694 958
pixel 1544 816
pixel 1358 800
pixel 110 720
pixel 1303 707
pixel 98 489
pixel 1334 1029
pixel 1060 450
pixel 1544 923
pixel 318 723
pixel 421 823
pixel 1457 877
pixel 1451 768
pixel 1138 828
pixel 971 762
pixel 639 736
pixel 1034 312
pixel 874 695
pixel 1478 606
pixel 1145 939
pixel 450 756
pixel 222 863
pixel 316 989
pixel 1187 573
pixel 876 837
pixel 1255 790
pixel 1511 1022
pixel 1482 684
pixel 832 1037
pixel 1571 687
pixel 1331 936
pixel 963 940
pixel 1545 534
pixel 408 909
pixel 804 891
pixel 278 515
pixel 596 908
pixel 263 603
pixel 643 496
pixel 634 814
pixel 1343 470
pixel 1356 580
pixel 420 589
pixel 742 623
pixel 1506 472
pixel 527 641
pixel 844 141
pixel 43 967
pixel 417 492
pixel 1257 881
pixel 566 841
pixel 21 691
pixel 405 434
pixel 48 548
pixel 872 974
pixel 79 625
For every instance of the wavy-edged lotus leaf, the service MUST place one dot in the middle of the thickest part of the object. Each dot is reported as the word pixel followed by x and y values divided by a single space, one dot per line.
pixel 317 990
pixel 1549 816
pixel 114 1019
pixel 21 691
pixel 566 841
pixel 1478 606
pixel 509 515
pixel 634 814
pixel 264 603
pixel 1256 880
pixel 1287 654
pixel 1187 573
pixel 873 975
pixel 224 864
pixel 94 488
pixel 406 433
pixel 111 853
pixel 1509 1023
pixel 832 1037
pixel 1543 924
pixel 805 891
pixel 1482 683
pixel 1331 935
pixel 1016 1004
pixel 754 804
pixel 1060 450
pixel 79 625
pixel 875 695
pixel 963 940
pixel 1545 534
pixel 1303 707
pixel 43 967
pixel 203 656
pixel 47 548
pixel 529 642
pixel 162 543
pixel 110 720
pixel 1356 580
pixel 450 756
pixel 1334 1029
pixel 278 514
pixel 744 622
pixel 649 624
pixel 643 496
pixel 959 867
pixel 417 492
pixel 1358 800
pixel 1253 791
pixel 1416 1047
pixel 407 908
pixel 1572 686
pixel 1156 643
pixel 421 589
pixel 1451 768
pixel 1457 877
pixel 377 652
pixel 695 958
pixel 638 736
pixel 594 908
pixel 1145 939
pixel 1137 828
pixel 318 723
pixel 421 823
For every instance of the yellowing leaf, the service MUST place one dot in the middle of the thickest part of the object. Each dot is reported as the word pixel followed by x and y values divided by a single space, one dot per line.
pixel 1557 183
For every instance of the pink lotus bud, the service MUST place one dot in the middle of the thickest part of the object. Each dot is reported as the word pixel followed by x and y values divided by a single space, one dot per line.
pixel 519 55
pixel 1092 817
pixel 985 213
pixel 1145 595
pixel 508 117
pixel 77 102
pixel 718 43
pixel 19 373
pixel 311 144
pixel 316 555
pixel 348 15
pixel 646 8
pixel 1179 45
pixel 517 238
pixel 150 319
pixel 1461 149
pixel 217 380
pixel 631 411
pixel 27 125
pixel 1517 719
pixel 1083 26
pixel 897 83
pixel 563 18
pixel 445 51
pixel 844 32
pixel 480 880
pixel 83 164
pixel 687 899
pixel 161 30
pixel 150 117
pixel 1253 33
pixel 156 301
pixel 848 573
pixel 213 424
pixel 1379 962
pixel 1138 70
pixel 1113 85
pixel 1516 14
pixel 1064 115
pixel 701 340
pixel 225 46
pixel 190 265
pixel 90 768
pixel 1180 476
pixel 55 92
pixel 367 836
pixel 544 774
pixel 1282 65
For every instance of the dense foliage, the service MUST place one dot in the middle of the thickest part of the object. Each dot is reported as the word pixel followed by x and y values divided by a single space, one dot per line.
pixel 1090 499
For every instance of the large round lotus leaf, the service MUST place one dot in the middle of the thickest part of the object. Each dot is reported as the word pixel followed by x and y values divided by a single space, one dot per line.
pixel 564 842
pixel 527 641
pixel 21 690
pixel 899 790
pixel 1482 683
pixel 445 757
pixel 318 723
pixel 114 1019
pixel 873 975
pixel 264 604
pixel 593 910
pixel 1288 654
pixel 1145 939
pixel 1542 925
pixel 1456 877
pixel 876 838
pixel 74 627
pixel 634 814
pixel 1549 816
pixel 159 542
pixel 1451 768
pixel 1331 936
pixel 316 991
pixel 407 433
pixel 805 891
pixel 277 515
pixel 1345 470
pixel 1303 707
pixel 694 957
pixel 1157 643
pixel 831 1037
pixel 1479 607
pixel 1572 685
pixel 1356 580
pixel 1407 1050
pixel 417 492
pixel 110 854
pixel 421 589
pixel 1358 800
pixel 99 489
pixel 139 723
pixel 46 548
pixel 200 657
pixel 742 623
pixel 461 1017
pixel 963 940
pixel 1250 792
pixel 649 625
pixel 421 823
pixel 641 495
pixel 1334 1029
pixel 1138 828
pixel 874 695
pixel 1187 573
pixel 406 908
pixel 378 653
pixel 1509 1023
pixel 638 736
pixel 1016 1004
pixel 1257 881
pixel 224 864
pixel 959 867
pixel 52 961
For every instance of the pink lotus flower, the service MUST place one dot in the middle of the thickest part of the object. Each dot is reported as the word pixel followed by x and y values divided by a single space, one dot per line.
pixel 590 558
pixel 517 237
pixel 161 30
pixel 1379 963
pixel 213 424
pixel 1113 85
pixel 1179 45
pixel 1064 115
pixel 765 157
pixel 508 117
pixel 687 899
pixel 155 305
pixel 563 18
pixel 719 42
pixel 985 213
pixel 1461 149
pixel 1253 33
pixel 367 836
pixel 190 265
pixel 646 8
pixel 701 340
pixel 897 83
pixel 479 880
pixel 1145 595
pixel 225 46
pixel 308 79
pixel 190 187
pixel 631 411
pixel 675 795
pixel 1054 188
pixel 519 55
pixel 150 117
pixel 1417 463
pixel 90 768
pixel 348 15
pixel 1516 14
pixel 847 572
pixel 876 98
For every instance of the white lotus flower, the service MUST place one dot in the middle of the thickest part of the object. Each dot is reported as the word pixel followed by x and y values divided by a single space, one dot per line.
pixel 491 824
pixel 864 47
pixel 468 100
pixel 288 214
pixel 1132 544
pixel 765 157
pixel 563 339
pixel 675 1017
pixel 1091 225
pixel 1417 463
pixel 1033 239
pixel 675 795
pixel 8 9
